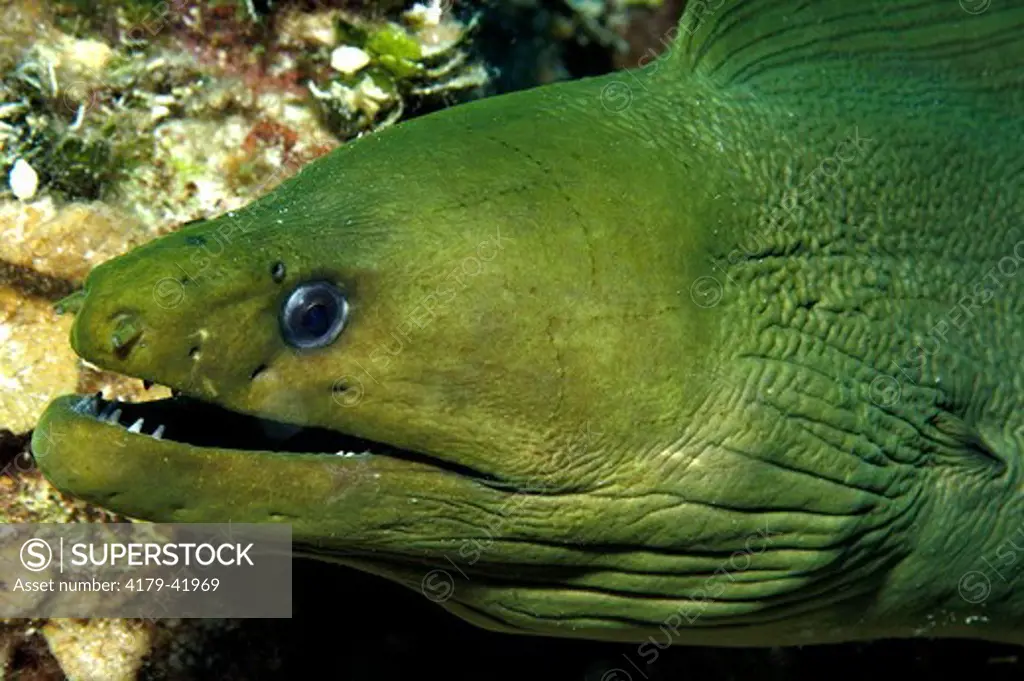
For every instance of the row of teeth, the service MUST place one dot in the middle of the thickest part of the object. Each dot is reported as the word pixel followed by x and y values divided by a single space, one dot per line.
pixel 111 413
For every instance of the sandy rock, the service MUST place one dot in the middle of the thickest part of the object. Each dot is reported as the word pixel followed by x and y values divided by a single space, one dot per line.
pixel 45 254
pixel 64 242
pixel 98 650
pixel 36 363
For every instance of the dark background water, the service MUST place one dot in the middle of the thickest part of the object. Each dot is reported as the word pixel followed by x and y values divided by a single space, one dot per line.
pixel 353 626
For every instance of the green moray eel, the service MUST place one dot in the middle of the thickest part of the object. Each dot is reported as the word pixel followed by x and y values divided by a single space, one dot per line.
pixel 722 350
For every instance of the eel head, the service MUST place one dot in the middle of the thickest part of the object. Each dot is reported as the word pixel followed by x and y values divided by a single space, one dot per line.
pixel 434 347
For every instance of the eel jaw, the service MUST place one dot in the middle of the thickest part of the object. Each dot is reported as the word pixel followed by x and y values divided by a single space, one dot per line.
pixel 182 421
pixel 195 423
pixel 214 465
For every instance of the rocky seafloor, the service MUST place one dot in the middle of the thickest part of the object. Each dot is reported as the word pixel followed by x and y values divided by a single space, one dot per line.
pixel 121 121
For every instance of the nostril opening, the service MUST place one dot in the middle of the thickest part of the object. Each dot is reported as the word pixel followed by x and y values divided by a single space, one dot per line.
pixel 127 332
pixel 194 352
pixel 123 348
pixel 257 371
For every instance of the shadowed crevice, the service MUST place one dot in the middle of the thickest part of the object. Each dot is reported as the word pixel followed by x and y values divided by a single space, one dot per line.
pixel 34 284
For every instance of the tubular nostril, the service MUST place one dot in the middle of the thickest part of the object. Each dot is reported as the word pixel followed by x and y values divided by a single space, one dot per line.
pixel 127 332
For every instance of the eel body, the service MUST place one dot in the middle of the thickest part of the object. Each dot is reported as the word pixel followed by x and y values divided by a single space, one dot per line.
pixel 725 348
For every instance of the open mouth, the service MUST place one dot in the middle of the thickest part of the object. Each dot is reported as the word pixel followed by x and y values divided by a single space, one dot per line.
pixel 194 423
pixel 200 424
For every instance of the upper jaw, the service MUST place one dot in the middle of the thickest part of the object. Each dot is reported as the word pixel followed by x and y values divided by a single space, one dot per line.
pixel 112 413
pixel 186 422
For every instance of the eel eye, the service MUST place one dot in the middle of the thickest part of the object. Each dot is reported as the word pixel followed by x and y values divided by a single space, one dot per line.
pixel 314 315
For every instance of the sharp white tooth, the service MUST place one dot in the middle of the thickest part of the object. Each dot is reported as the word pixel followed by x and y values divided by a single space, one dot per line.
pixel 159 432
pixel 85 405
pixel 135 427
pixel 105 414
pixel 115 418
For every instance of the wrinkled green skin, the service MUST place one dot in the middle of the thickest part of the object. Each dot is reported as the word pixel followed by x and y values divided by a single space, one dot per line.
pixel 667 467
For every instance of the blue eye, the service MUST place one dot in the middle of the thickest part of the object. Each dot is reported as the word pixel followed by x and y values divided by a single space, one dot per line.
pixel 314 315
